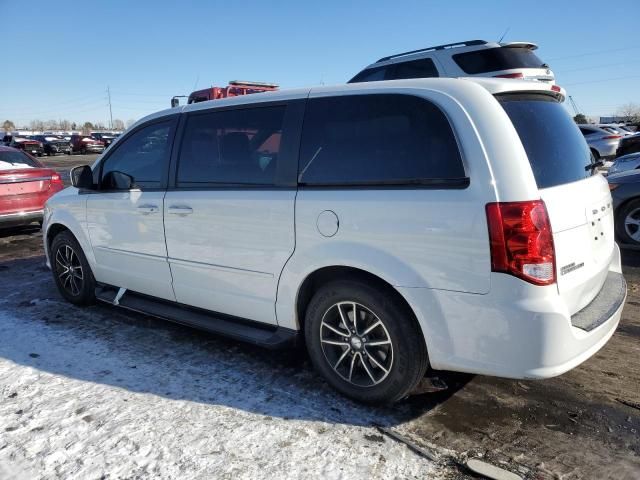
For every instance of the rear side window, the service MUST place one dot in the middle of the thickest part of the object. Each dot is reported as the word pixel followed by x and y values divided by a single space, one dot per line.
pixel 422 68
pixel 557 151
pixel 495 59
pixel 239 147
pixel 378 140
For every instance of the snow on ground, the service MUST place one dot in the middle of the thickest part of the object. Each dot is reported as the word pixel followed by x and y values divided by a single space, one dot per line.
pixel 90 393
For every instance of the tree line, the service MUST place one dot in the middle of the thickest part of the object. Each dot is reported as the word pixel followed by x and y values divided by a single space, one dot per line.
pixel 66 125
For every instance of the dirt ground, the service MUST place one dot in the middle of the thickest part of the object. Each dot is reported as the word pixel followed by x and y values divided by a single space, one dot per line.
pixel 583 424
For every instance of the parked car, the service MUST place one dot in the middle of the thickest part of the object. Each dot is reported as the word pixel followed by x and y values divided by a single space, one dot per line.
pixel 23 143
pixel 53 144
pixel 625 190
pixel 462 59
pixel 624 163
pixel 85 144
pixel 452 224
pixel 614 129
pixel 106 138
pixel 25 186
pixel 629 144
pixel 603 143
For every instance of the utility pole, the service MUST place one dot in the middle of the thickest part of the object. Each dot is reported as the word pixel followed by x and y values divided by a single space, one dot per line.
pixel 110 113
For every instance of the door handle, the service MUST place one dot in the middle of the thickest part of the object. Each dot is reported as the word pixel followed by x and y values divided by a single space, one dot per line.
pixel 181 210
pixel 147 209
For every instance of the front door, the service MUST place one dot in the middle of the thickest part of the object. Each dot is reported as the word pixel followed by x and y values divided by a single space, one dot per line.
pixel 124 215
pixel 229 219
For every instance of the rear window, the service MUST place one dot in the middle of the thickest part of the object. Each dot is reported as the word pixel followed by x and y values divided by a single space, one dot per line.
pixel 495 59
pixel 14 159
pixel 557 151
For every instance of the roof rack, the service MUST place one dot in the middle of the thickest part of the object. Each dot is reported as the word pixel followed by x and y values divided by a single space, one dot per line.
pixel 468 43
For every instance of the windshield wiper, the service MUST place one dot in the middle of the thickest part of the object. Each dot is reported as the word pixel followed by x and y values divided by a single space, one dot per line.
pixel 594 165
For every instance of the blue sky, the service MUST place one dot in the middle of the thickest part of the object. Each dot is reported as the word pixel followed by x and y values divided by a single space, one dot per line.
pixel 59 57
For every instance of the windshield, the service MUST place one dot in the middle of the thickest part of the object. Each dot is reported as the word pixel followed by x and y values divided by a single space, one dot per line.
pixel 557 151
pixel 10 160
pixel 496 59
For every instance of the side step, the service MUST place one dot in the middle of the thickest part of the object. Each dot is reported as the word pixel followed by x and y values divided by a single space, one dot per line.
pixel 269 336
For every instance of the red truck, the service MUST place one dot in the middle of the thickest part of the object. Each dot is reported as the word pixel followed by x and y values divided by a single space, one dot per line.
pixel 234 89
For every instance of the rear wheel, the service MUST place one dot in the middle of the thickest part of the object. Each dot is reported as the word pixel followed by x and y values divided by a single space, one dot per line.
pixel 628 223
pixel 365 342
pixel 71 270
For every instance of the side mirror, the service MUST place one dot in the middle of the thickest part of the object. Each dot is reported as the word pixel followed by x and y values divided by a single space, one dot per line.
pixel 118 181
pixel 175 102
pixel 82 177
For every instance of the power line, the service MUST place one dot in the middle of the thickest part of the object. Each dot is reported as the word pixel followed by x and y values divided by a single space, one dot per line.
pixel 595 66
pixel 594 53
pixel 601 80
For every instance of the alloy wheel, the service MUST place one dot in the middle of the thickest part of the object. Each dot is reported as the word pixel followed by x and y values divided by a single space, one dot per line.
pixel 632 224
pixel 356 344
pixel 69 270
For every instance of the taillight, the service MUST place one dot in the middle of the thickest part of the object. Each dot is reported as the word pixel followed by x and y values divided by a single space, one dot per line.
pixel 555 88
pixel 510 75
pixel 56 179
pixel 610 137
pixel 521 241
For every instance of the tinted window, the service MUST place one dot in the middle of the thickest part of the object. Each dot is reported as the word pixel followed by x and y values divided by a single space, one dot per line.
pixel 143 155
pixel 498 58
pixel 15 159
pixel 231 147
pixel 370 75
pixel 557 152
pixel 423 68
pixel 377 139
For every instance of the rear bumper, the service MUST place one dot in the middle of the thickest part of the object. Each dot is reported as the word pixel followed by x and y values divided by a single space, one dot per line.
pixel 517 330
pixel 20 218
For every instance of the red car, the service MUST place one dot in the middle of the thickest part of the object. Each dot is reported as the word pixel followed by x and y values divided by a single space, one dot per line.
pixel 25 186
pixel 85 144
pixel 29 145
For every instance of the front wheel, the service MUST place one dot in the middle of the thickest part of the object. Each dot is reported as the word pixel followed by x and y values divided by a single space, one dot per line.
pixel 71 271
pixel 365 342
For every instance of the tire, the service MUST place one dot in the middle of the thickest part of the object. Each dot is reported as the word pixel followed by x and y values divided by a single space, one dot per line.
pixel 380 374
pixel 628 223
pixel 78 287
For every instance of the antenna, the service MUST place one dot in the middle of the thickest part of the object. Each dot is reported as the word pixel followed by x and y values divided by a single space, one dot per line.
pixel 196 83
pixel 504 34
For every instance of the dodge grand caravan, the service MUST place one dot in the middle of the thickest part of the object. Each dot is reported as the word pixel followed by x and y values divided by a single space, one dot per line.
pixel 390 227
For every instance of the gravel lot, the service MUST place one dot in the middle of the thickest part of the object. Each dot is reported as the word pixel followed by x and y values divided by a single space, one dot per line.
pixel 104 393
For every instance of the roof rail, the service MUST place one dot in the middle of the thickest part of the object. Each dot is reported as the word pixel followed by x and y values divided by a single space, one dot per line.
pixel 468 43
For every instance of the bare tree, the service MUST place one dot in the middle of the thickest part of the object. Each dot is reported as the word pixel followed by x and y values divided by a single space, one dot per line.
pixel 51 125
pixel 118 124
pixel 130 122
pixel 36 125
pixel 8 126
pixel 64 124
pixel 630 112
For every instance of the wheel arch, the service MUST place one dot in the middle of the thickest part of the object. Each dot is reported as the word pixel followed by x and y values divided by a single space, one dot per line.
pixel 321 276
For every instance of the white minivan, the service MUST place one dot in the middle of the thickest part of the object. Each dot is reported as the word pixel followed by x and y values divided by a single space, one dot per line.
pixel 389 227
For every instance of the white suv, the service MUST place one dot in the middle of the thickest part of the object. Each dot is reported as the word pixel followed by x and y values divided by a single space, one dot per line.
pixel 390 227
pixel 462 59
